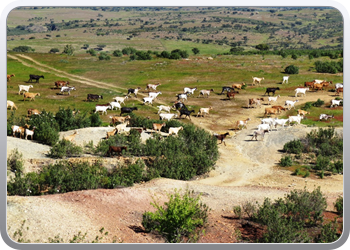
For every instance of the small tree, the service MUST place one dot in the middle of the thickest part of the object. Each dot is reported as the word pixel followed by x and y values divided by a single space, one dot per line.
pixel 91 52
pixel 117 53
pixel 182 217
pixel 262 46
pixel 68 49
pixel 195 51
pixel 291 69
pixel 54 50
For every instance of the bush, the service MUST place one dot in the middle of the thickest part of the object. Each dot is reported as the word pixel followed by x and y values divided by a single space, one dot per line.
pixel 291 69
pixel 54 50
pixel 286 161
pixel 65 149
pixel 68 50
pixel 117 53
pixel 104 56
pixel 329 233
pixel 181 219
pixel 15 162
pixel 92 52
pixel 293 147
pixel 128 51
pixel 238 211
pixel 339 205
pixel 195 51
pixel 95 120
pixel 23 49
pixel 322 163
pixel 318 103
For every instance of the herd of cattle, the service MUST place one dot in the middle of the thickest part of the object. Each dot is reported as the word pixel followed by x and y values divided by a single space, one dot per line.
pixel 164 111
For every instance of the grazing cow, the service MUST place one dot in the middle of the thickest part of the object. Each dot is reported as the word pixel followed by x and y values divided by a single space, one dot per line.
pixel 271 111
pixel 326 117
pixel 238 85
pixel 340 90
pixel 279 108
pixel 290 103
pixel 257 80
pixel 120 99
pixel 158 126
pixel 35 77
pixel 165 108
pixel 301 91
pixel 152 86
pixel 133 91
pixel 189 91
pixel 256 101
pixel 230 94
pixel 186 112
pixel 60 84
pixel 168 117
pixel 9 77
pixel 113 149
pixel 204 92
pixel 127 110
pixel 271 90
pixel 285 79
pixel 93 97
pixel 67 89
pixel 203 111
pixel 30 95
pixel 24 88
pixel 273 98
pixel 175 131
pixel 259 133
pixel 221 137
pixel 335 103
pixel 11 104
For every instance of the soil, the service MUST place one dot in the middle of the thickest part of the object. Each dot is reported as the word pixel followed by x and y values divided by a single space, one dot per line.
pixel 246 171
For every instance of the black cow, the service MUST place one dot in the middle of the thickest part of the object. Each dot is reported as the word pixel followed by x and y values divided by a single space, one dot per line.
pixel 269 90
pixel 93 97
pixel 127 110
pixel 186 112
pixel 35 77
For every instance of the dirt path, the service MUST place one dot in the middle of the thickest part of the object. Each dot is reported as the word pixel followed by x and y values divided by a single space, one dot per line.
pixel 245 171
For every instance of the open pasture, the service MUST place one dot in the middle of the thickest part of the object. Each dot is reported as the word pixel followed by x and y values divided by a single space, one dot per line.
pixel 113 78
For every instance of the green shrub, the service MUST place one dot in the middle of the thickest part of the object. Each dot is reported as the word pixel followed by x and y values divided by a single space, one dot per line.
pixel 65 149
pixel 15 162
pixel 291 69
pixel 329 233
pixel 322 163
pixel 104 56
pixel 339 205
pixel 293 147
pixel 95 120
pixel 195 51
pixel 318 103
pixel 182 218
pixel 286 161
pixel 92 52
pixel 54 50
pixel 23 49
pixel 68 50
pixel 307 106
pixel 117 53
pixel 238 211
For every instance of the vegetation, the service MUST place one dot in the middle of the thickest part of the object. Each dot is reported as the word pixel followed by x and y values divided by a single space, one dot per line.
pixel 291 69
pixel 181 220
pixel 15 162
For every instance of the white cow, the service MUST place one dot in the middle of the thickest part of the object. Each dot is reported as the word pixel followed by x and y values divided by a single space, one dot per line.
pixel 290 103
pixel 301 91
pixel 285 79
